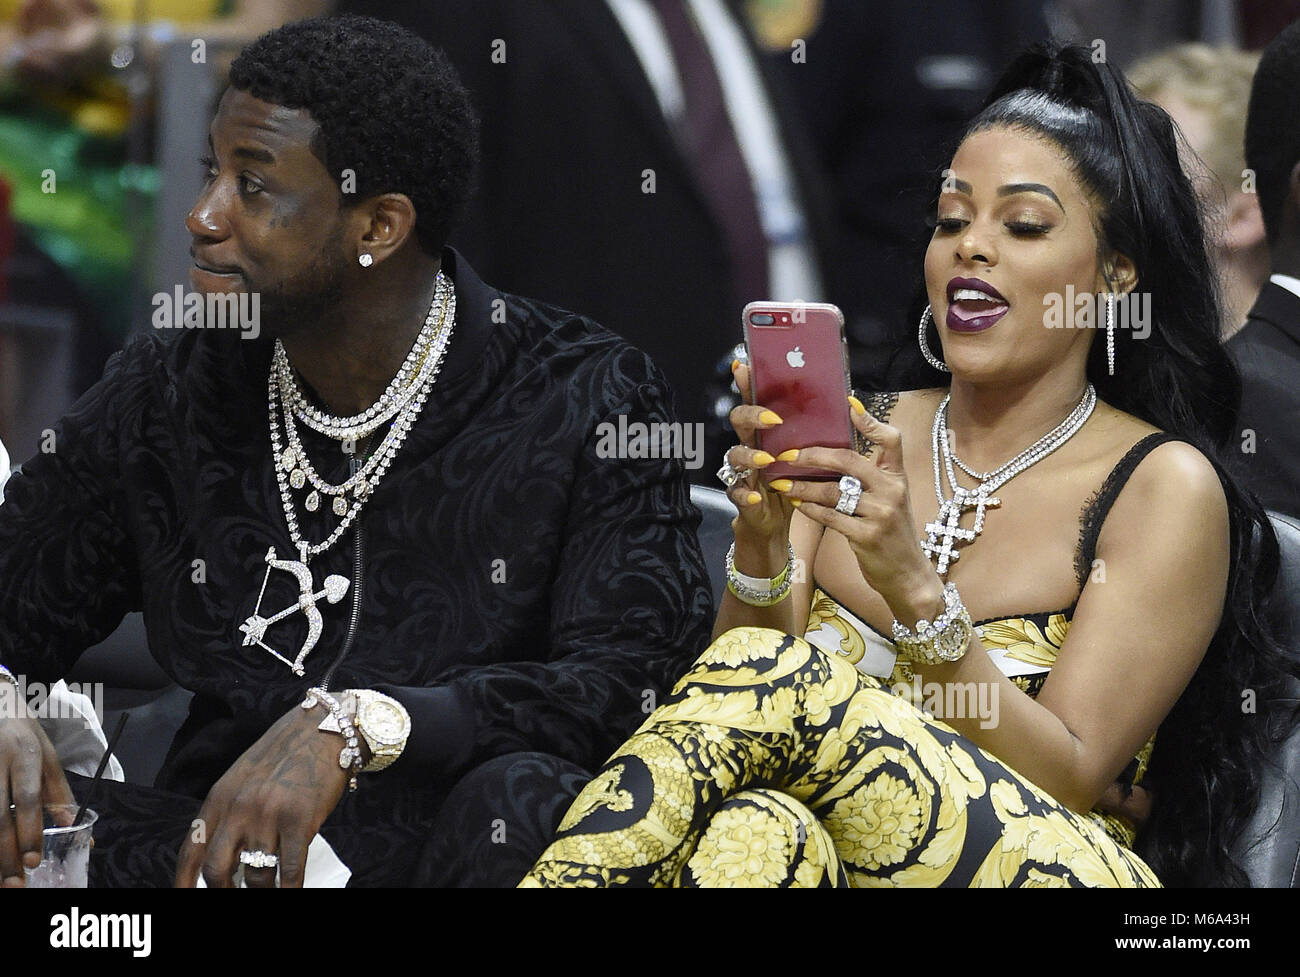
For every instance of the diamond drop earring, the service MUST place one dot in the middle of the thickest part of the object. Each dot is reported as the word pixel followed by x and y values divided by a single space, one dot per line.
pixel 1110 333
pixel 934 361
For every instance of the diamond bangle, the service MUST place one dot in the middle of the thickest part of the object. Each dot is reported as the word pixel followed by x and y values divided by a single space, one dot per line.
pixel 945 639
pixel 338 722
pixel 757 591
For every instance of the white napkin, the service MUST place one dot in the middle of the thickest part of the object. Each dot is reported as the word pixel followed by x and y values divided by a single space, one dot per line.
pixel 324 869
pixel 70 721
pixel 69 718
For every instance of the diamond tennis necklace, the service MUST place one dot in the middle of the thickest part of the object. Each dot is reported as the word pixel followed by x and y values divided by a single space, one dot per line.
pixel 944 532
pixel 402 402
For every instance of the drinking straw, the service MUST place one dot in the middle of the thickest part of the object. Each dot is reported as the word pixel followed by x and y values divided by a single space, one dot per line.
pixel 103 762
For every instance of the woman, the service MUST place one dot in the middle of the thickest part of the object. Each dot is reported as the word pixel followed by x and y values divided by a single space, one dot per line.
pixel 776 762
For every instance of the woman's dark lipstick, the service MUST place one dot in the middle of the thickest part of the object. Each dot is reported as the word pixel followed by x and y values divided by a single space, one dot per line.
pixel 968 312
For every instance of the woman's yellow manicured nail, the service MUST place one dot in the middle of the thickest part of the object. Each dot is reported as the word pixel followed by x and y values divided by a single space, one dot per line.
pixel 796 503
pixel 734 364
pixel 782 484
pixel 770 417
pixel 789 455
pixel 763 458
pixel 857 405
pixel 753 498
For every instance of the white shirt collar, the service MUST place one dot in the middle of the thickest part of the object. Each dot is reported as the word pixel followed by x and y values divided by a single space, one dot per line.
pixel 1292 285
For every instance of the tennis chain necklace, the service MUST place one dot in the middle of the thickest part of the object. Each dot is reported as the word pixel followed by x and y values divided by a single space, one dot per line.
pixel 401 402
pixel 944 532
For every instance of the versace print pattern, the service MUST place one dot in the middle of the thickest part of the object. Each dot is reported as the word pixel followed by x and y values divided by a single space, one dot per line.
pixel 903 799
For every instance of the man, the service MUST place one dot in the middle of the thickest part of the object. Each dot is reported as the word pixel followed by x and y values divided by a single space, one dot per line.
pixel 642 167
pixel 400 497
pixel 884 101
pixel 1206 90
pixel 1267 349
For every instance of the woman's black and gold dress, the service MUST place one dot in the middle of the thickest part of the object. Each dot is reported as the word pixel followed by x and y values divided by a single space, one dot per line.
pixel 803 762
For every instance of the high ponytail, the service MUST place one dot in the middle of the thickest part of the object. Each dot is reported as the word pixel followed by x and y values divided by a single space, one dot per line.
pixel 1206 768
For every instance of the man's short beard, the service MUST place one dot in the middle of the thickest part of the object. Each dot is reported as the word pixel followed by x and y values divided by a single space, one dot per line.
pixel 306 299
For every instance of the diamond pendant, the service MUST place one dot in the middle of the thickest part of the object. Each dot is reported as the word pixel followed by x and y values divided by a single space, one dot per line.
pixel 288 460
pixel 333 590
pixel 944 533
pixel 312 502
pixel 297 479
pixel 340 506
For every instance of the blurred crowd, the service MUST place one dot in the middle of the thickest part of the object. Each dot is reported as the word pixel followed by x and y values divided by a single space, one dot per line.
pixel 651 163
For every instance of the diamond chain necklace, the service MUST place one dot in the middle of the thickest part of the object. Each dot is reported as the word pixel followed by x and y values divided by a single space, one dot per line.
pixel 294 460
pixel 293 468
pixel 945 532
pixel 403 401
pixel 400 389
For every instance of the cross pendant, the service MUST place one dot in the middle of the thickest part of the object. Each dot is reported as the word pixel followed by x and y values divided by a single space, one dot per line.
pixel 944 532
pixel 979 500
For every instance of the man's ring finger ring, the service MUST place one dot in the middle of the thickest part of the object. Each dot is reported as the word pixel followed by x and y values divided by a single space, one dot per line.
pixel 258 859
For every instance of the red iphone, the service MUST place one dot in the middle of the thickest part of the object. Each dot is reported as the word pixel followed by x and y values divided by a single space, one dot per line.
pixel 799 365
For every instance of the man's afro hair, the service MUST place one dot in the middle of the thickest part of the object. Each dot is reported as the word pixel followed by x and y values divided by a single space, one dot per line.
pixel 389 107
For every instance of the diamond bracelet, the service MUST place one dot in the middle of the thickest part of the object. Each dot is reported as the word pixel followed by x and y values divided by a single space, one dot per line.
pixel 777 589
pixel 940 641
pixel 350 755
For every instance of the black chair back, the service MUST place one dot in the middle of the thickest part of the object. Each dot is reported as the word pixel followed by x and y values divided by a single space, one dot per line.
pixel 715 534
pixel 1269 849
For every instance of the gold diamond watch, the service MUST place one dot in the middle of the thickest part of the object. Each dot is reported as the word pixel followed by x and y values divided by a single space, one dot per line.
pixel 384 724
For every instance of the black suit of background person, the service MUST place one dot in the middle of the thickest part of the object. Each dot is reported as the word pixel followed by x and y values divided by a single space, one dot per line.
pixel 1267 347
pixel 570 123
pixel 887 87
pixel 1267 351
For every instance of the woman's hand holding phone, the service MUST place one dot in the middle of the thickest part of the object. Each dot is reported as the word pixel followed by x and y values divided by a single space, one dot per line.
pixel 762 523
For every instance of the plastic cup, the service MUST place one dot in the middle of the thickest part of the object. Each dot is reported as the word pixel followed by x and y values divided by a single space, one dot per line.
pixel 65 858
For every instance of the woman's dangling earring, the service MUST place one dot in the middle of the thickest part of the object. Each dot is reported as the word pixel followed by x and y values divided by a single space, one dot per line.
pixel 934 361
pixel 1110 333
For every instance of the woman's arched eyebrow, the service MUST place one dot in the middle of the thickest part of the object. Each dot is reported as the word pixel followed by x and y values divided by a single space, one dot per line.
pixel 1009 189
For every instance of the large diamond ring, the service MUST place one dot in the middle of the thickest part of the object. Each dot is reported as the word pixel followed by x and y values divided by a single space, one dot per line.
pixel 729 476
pixel 850 492
pixel 258 859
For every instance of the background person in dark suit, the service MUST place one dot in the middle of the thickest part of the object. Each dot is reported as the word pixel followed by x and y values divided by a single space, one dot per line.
pixel 1267 349
pixel 885 90
pixel 587 105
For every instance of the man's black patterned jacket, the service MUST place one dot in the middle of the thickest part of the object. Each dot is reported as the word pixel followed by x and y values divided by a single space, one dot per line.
pixel 519 592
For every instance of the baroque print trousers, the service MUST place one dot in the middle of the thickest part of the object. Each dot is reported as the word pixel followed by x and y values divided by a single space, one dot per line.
pixel 774 764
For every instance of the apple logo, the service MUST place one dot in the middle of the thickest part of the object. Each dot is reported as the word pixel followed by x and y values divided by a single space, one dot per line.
pixel 794 358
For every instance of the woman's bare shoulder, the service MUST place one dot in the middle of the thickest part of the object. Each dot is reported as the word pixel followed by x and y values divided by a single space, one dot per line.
pixel 1174 475
pixel 1125 427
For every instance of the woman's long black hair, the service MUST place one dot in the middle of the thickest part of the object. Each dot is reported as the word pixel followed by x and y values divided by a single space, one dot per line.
pixel 1211 749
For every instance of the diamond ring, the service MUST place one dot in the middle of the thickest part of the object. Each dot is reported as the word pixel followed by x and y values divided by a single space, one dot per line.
pixel 258 859
pixel 850 492
pixel 730 475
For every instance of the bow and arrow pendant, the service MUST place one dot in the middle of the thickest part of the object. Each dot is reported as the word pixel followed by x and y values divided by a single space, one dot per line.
pixel 334 589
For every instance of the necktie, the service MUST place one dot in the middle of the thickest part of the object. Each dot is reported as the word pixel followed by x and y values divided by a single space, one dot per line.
pixel 714 153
